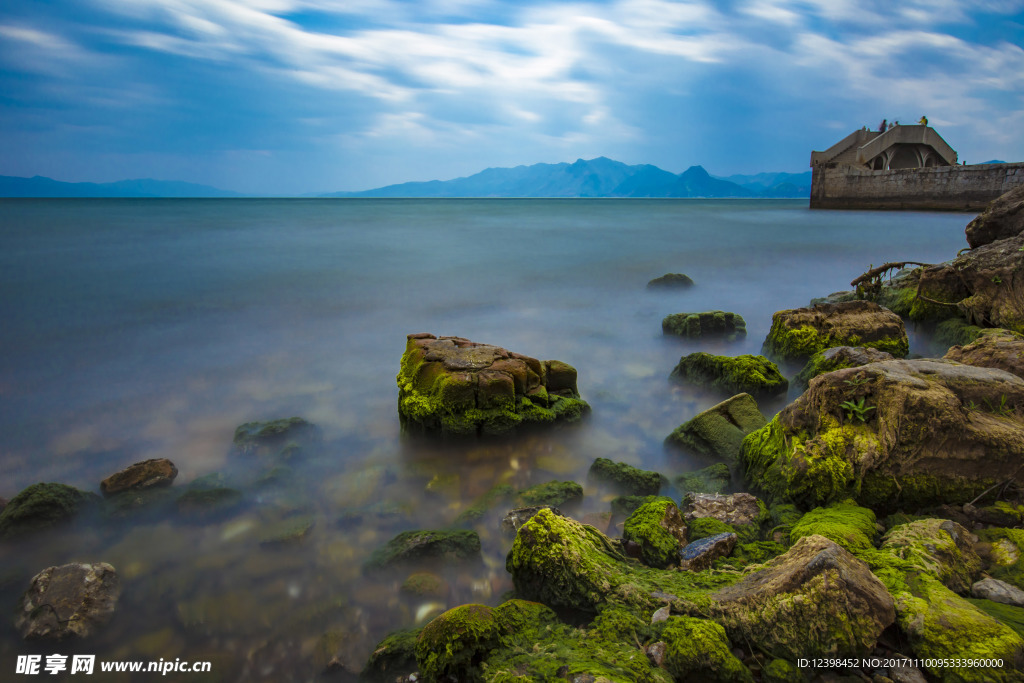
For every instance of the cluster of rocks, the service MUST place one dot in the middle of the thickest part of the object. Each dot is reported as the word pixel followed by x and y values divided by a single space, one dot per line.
pixel 886 504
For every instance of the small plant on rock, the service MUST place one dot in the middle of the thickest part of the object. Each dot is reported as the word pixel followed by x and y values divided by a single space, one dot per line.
pixel 1003 409
pixel 856 381
pixel 856 410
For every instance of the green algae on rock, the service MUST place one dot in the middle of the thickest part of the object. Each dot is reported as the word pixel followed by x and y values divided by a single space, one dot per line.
pixel 698 650
pixel 719 431
pixel 705 324
pixel 454 386
pixel 554 493
pixel 798 334
pixel 394 657
pixel 712 479
pixel 837 358
pixel 913 448
pixel 425 545
pixel 850 526
pixel 629 480
pixel 939 546
pixel 754 375
pixel 41 506
pixel 659 530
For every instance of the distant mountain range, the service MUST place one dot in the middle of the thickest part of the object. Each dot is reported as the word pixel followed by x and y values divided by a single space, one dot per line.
pixel 600 177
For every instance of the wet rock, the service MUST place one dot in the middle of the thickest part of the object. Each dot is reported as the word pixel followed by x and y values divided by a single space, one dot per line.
pixel 626 478
pixel 393 658
pixel 893 434
pixel 516 518
pixel 698 650
pixel 454 386
pixel 497 495
pixel 140 476
pixel 731 326
pixel 712 479
pixel 41 506
pixel 425 545
pixel 200 502
pixel 815 600
pixel 425 584
pixel 552 493
pixel 998 591
pixel 837 358
pixel 252 437
pixel 701 554
pixel 719 431
pixel 656 653
pixel 286 531
pixel 1003 218
pixel 71 600
pixel 995 348
pixel 671 281
pixel 754 375
pixel 658 530
pixel 735 508
pixel 330 655
pixel 798 334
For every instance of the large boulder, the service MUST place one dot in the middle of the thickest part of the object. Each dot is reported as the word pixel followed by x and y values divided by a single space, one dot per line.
pixel 899 433
pixel 71 600
pixel 797 334
pixel 754 375
pixel 705 324
pixel 837 358
pixel 625 478
pixel 41 506
pixel 1003 218
pixel 698 650
pixel 995 348
pixel 454 386
pixel 816 600
pixel 140 476
pixel 719 431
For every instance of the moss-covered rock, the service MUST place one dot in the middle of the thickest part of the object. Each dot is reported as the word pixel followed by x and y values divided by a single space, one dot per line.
pixel 41 506
pixel 671 281
pixel 698 650
pixel 995 348
pixel 659 530
pixel 455 643
pixel 252 437
pixel 754 375
pixel 781 671
pixel 719 431
pixel 425 546
pixel 956 331
pixel 555 493
pixel 938 546
pixel 892 434
pixel 153 473
pixel 798 334
pixel 712 479
pixel 837 358
pixel 705 324
pixel 394 657
pixel 626 478
pixel 496 495
pixel 454 386
pixel 847 524
pixel 624 506
pixel 1004 554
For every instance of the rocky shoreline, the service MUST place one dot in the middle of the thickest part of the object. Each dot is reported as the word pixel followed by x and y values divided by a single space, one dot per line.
pixel 876 520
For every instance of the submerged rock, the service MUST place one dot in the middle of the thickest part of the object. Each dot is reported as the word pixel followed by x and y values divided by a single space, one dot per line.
pixel 659 530
pixel 270 434
pixel 894 433
pixel 719 431
pixel 798 334
pixel 712 479
pixel 393 658
pixel 454 386
pixel 552 493
pixel 995 348
pixel 41 506
pixel 71 600
pixel 754 375
pixel 705 324
pixel 419 546
pixel 626 478
pixel 837 358
pixel 140 476
pixel 671 281
pixel 1003 218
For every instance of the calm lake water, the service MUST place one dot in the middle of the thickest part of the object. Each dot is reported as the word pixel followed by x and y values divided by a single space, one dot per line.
pixel 136 329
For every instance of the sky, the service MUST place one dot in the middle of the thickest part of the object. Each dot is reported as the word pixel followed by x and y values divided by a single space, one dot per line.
pixel 297 96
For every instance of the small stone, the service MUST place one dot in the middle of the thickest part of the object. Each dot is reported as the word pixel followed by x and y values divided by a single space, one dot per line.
pixel 656 653
pixel 140 476
pixel 998 591
pixel 661 614
pixel 700 554
pixel 71 600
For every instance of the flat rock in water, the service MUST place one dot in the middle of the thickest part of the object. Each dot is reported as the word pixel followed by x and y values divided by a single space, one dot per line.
pixel 995 348
pixel 719 430
pixel 705 324
pixel 142 475
pixel 998 591
pixel 700 554
pixel 71 600
pixel 455 386
pixel 671 281
pixel 799 333
pixel 735 508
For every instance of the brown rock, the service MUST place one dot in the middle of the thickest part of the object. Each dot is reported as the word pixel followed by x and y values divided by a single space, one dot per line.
pixel 997 348
pixel 1003 218
pixel 849 323
pixel 142 475
pixel 699 555
pixel 71 600
pixel 735 508
pixel 656 653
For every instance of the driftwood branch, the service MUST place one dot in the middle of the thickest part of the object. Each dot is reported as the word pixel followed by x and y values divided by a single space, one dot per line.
pixel 877 272
pixel 995 486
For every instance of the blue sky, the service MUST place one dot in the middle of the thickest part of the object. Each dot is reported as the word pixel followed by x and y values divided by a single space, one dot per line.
pixel 292 96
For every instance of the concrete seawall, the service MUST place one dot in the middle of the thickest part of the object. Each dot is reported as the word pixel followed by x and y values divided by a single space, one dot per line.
pixel 939 188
